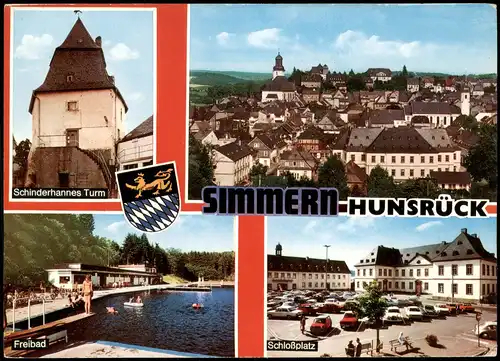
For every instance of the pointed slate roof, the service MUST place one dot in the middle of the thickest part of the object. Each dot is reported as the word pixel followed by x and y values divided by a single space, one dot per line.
pixel 77 64
pixel 142 130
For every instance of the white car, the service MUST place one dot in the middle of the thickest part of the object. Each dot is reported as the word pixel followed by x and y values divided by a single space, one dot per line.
pixel 311 300
pixel 289 304
pixel 288 312
pixel 487 330
pixel 392 314
pixel 334 301
pixel 442 310
pixel 414 313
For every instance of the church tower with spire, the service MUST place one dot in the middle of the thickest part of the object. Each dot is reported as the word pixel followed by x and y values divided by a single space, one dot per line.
pixel 78 117
pixel 278 68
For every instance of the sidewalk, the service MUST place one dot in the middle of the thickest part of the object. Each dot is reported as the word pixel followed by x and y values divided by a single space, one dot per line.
pixel 23 313
pixel 447 347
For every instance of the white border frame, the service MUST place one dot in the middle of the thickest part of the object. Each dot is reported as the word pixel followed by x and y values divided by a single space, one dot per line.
pixel 187 213
pixel 11 90
pixel 188 81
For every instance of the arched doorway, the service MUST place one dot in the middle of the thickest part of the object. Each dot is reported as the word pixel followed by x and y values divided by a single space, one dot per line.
pixel 418 287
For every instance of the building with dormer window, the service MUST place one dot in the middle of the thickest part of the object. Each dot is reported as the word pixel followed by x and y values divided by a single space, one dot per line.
pixel 461 269
pixel 304 273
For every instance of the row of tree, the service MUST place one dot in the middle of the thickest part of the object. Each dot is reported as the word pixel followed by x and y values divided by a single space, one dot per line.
pixel 36 242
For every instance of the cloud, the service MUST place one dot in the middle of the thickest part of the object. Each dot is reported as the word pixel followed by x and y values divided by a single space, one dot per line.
pixel 354 223
pixel 427 225
pixel 121 52
pixel 266 38
pixel 33 47
pixel 374 46
pixel 115 226
pixel 137 97
pixel 223 38
pixel 310 226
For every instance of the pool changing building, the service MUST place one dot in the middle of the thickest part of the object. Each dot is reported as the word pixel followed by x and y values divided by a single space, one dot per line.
pixel 462 267
pixel 304 273
pixel 72 275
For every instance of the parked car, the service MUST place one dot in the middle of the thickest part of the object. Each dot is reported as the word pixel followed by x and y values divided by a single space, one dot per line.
pixel 308 309
pixel 487 330
pixel 350 305
pixel 428 311
pixel 349 321
pixel 442 310
pixel 321 325
pixel 414 313
pixel 452 307
pixel 393 315
pixel 466 307
pixel 490 299
pixel 404 302
pixel 288 312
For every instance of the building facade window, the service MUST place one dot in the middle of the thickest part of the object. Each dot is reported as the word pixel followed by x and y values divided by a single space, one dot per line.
pixel 454 288
pixel 402 285
pixel 468 269
pixel 440 287
pixel 403 273
pixel 441 270
pixel 411 273
pixel 468 289
pixel 426 286
pixel 396 285
pixel 454 269
pixel 380 272
pixel 371 272
pixel 410 285
pixel 426 272
pixel 418 272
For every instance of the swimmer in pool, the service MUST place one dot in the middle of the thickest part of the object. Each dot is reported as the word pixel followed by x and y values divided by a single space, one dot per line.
pixel 111 310
pixel 139 299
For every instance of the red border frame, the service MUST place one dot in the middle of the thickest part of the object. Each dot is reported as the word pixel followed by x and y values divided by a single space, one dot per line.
pixel 171 145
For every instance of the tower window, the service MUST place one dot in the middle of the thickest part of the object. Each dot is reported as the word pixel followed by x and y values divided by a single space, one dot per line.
pixel 72 106
pixel 69 78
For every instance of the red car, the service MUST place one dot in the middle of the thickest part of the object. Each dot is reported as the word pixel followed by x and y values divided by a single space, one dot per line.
pixel 466 307
pixel 321 325
pixel 308 309
pixel 349 321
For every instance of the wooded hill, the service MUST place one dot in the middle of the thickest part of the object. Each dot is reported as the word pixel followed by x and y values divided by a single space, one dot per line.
pixel 35 242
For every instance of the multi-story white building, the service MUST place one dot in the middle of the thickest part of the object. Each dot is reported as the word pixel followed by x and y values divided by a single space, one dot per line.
pixel 135 150
pixel 304 273
pixel 405 152
pixel 441 115
pixel 232 162
pixel 461 269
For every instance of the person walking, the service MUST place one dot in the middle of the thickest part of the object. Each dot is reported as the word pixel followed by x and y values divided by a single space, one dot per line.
pixel 87 293
pixel 358 348
pixel 303 324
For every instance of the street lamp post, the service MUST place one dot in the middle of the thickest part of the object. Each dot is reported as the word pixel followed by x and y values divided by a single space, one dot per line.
pixel 326 266
pixel 452 284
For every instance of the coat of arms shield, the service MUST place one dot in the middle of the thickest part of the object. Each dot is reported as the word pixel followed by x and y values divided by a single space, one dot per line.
pixel 150 196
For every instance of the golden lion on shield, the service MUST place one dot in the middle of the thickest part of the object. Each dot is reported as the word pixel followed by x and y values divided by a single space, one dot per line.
pixel 162 183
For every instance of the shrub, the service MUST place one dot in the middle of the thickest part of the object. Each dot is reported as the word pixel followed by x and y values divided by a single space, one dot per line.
pixel 432 340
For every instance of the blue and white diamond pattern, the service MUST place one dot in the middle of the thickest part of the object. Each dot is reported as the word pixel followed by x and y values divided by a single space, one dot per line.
pixel 154 214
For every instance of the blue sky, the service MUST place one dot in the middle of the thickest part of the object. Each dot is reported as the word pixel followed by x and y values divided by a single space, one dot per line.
pixel 352 238
pixel 188 232
pixel 128 48
pixel 457 38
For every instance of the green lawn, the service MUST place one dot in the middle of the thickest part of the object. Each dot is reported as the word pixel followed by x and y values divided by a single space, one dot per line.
pixel 173 279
